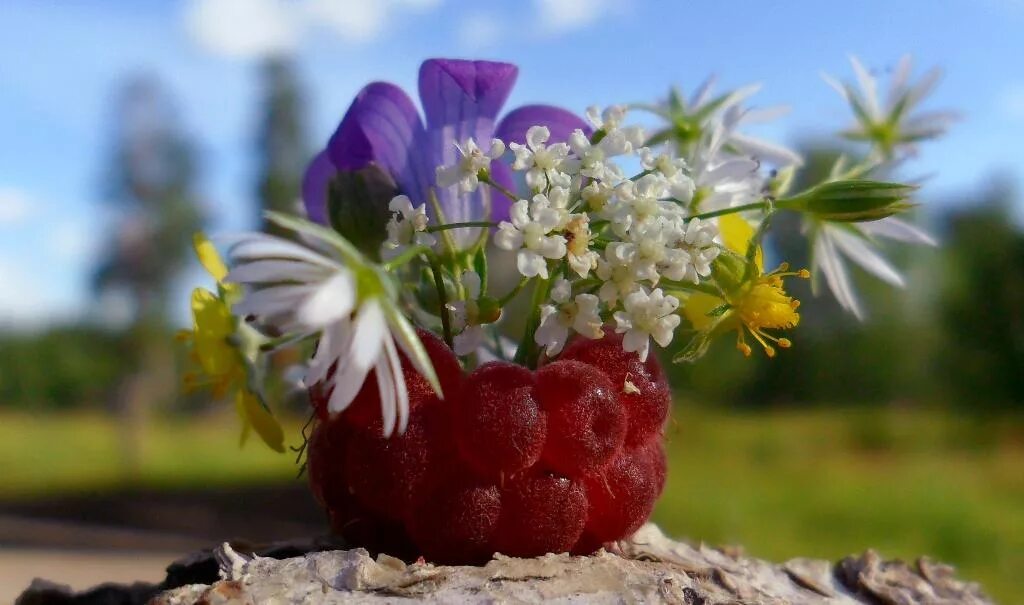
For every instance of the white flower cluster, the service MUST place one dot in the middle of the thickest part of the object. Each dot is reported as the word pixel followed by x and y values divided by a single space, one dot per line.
pixel 607 240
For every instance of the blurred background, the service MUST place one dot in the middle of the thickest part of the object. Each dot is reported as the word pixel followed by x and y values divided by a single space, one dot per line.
pixel 125 127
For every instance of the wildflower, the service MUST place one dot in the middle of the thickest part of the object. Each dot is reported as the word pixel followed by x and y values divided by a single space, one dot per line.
pixel 890 126
pixel 544 164
pixel 831 242
pixel 459 99
pixel 691 121
pixel 616 272
pixel 474 163
pixel 581 314
pixel 214 344
pixel 645 316
pixel 470 315
pixel 408 225
pixel 580 257
pixel 754 305
pixel 346 302
pixel 530 232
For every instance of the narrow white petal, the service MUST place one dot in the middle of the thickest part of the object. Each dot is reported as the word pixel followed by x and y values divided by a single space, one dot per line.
pixel 868 85
pixel 273 301
pixel 270 271
pixel 370 330
pixel 826 256
pixel 899 230
pixel 401 390
pixel 333 300
pixel 261 247
pixel 388 400
pixel 769 152
pixel 862 254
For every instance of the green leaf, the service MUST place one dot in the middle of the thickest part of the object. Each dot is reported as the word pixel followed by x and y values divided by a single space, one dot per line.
pixel 696 348
pixel 349 253
pixel 480 266
pixel 410 343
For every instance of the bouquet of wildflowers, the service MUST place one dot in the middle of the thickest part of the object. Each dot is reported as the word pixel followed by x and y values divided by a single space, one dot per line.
pixel 481 297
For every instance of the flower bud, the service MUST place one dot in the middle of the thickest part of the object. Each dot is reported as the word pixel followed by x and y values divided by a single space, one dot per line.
pixel 357 207
pixel 851 200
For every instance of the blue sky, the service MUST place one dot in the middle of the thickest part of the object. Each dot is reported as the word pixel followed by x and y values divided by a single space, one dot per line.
pixel 60 63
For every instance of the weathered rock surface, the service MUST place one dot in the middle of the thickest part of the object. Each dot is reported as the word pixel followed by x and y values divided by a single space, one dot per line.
pixel 647 568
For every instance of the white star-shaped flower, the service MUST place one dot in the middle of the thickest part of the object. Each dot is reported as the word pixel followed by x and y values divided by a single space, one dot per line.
pixel 580 314
pixel 530 232
pixel 645 316
pixel 466 173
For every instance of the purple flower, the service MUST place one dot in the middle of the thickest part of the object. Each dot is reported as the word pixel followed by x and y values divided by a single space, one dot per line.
pixel 461 99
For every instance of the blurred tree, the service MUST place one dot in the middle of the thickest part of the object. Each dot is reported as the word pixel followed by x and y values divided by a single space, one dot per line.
pixel 150 183
pixel 982 304
pixel 282 153
pixel 281 148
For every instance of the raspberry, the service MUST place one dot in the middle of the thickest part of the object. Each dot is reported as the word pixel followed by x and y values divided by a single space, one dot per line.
pixel 385 472
pixel 500 427
pixel 586 424
pixel 454 522
pixel 326 468
pixel 647 409
pixel 623 496
pixel 365 407
pixel 540 514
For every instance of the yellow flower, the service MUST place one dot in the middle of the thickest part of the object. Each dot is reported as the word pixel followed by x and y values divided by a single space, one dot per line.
pixel 214 349
pixel 755 305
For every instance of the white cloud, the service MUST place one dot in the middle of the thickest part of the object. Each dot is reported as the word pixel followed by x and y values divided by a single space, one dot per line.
pixel 243 29
pixel 479 31
pixel 15 207
pixel 250 29
pixel 71 242
pixel 559 16
pixel 1011 102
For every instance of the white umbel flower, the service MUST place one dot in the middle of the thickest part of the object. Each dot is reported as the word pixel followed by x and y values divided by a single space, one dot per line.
pixel 465 316
pixel 407 227
pixel 530 232
pixel 545 165
pixel 466 173
pixel 580 314
pixel 303 293
pixel 645 316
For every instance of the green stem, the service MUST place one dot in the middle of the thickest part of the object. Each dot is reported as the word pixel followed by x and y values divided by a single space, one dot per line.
pixel 487 179
pixel 406 256
pixel 504 300
pixel 446 226
pixel 442 297
pixel 527 353
pixel 733 210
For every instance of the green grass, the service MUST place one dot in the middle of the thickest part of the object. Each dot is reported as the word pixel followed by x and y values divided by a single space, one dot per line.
pixel 782 484
pixel 831 483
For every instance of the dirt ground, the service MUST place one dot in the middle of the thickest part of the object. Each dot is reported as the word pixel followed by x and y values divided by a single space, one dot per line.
pixel 78 569
pixel 133 535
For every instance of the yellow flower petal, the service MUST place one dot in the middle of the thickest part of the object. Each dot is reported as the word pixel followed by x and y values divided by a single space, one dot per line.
pixel 697 307
pixel 213 324
pixel 736 235
pixel 261 420
pixel 209 258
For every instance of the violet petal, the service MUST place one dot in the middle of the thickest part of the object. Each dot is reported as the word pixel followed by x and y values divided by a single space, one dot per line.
pixel 382 125
pixel 314 187
pixel 561 123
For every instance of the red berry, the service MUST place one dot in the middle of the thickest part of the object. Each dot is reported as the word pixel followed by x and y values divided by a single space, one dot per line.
pixel 454 522
pixel 385 472
pixel 325 467
pixel 647 409
pixel 623 496
pixel 499 425
pixel 541 514
pixel 364 410
pixel 586 424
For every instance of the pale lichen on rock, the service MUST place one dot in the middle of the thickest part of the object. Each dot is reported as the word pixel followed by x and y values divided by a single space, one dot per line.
pixel 647 568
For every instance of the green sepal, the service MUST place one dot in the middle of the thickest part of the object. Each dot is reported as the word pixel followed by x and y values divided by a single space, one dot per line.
pixel 357 207
pixel 696 348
